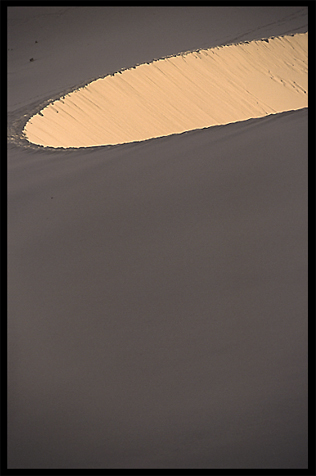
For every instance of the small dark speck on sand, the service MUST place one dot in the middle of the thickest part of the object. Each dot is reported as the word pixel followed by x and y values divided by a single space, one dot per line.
pixel 267 41
pixel 36 41
pixel 31 59
pixel 51 197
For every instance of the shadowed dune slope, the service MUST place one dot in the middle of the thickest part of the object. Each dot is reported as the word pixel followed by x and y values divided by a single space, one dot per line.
pixel 158 301
pixel 190 91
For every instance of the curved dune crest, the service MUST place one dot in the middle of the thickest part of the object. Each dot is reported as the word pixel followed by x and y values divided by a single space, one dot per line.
pixel 190 91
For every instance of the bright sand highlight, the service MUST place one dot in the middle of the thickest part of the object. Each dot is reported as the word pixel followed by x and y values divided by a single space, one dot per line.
pixel 180 93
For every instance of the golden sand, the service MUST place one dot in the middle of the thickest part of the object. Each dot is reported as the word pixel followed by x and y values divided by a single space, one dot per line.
pixel 189 91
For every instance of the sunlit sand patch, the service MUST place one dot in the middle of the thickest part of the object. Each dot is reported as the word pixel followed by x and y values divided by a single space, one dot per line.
pixel 189 91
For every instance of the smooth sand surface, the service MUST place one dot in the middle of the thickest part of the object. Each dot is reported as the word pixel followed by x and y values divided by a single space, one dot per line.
pixel 157 291
pixel 190 91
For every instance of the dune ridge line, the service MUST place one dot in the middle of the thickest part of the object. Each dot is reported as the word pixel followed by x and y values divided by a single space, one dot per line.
pixel 175 94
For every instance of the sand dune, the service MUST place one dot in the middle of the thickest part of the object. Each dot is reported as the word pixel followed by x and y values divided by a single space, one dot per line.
pixel 172 95
pixel 157 290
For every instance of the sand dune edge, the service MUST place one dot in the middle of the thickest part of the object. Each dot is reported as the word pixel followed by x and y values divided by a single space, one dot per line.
pixel 189 91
